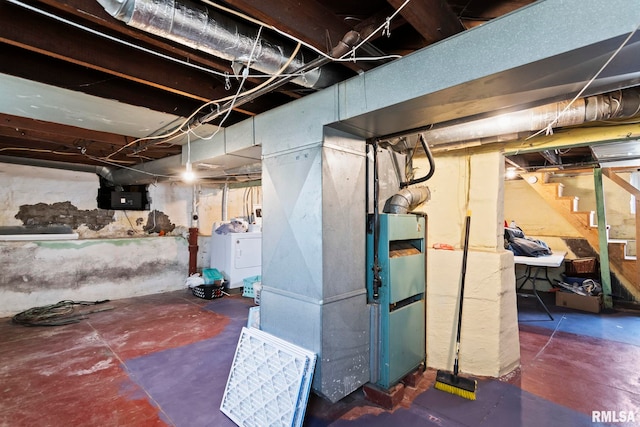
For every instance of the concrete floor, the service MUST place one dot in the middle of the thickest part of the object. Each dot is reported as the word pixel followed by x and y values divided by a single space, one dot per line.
pixel 164 360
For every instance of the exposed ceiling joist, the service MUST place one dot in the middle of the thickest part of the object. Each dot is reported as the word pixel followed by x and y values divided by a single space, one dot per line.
pixel 42 47
pixel 39 34
pixel 314 24
pixel 49 141
pixel 433 19
pixel 551 156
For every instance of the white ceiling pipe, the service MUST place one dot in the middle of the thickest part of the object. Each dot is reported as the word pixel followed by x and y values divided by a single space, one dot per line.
pixel 613 105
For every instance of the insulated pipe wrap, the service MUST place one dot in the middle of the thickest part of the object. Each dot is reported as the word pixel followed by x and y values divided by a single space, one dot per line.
pixel 613 105
pixel 196 26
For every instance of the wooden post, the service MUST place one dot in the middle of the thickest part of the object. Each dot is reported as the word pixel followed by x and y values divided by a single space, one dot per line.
pixel 193 250
pixel 605 271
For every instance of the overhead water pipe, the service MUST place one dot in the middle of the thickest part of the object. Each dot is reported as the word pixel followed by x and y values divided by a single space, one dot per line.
pixel 225 202
pixel 619 104
pixel 432 166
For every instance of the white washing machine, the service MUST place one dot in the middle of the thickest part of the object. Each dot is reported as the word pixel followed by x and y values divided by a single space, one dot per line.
pixel 237 256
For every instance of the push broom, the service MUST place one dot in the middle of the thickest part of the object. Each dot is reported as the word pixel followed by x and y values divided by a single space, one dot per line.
pixel 451 382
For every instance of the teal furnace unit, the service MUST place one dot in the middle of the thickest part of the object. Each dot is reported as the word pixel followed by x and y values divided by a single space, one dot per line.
pixel 398 300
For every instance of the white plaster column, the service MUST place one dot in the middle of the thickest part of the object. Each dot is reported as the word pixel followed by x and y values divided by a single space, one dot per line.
pixel 489 342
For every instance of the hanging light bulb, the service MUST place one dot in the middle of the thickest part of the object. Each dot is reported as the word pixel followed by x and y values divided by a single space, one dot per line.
pixel 511 173
pixel 188 176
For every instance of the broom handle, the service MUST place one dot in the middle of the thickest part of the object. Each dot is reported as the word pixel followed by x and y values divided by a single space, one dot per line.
pixel 465 251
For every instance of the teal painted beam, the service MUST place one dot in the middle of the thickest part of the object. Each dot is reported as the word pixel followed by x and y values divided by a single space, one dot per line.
pixel 605 271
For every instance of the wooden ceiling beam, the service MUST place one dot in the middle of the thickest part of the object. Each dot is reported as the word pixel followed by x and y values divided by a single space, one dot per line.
pixel 20 135
pixel 91 13
pixel 314 23
pixel 19 124
pixel 29 65
pixel 94 14
pixel 433 19
pixel 33 32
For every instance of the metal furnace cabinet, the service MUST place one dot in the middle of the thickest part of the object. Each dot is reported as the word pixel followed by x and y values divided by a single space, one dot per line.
pixel 398 315
pixel 236 255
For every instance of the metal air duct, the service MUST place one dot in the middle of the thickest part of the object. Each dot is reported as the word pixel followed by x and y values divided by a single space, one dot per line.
pixel 613 105
pixel 148 172
pixel 406 200
pixel 103 171
pixel 196 26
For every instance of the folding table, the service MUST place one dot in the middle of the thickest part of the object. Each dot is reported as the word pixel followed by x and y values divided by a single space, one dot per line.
pixel 534 267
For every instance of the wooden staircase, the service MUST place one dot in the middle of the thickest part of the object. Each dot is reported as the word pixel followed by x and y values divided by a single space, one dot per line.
pixel 623 265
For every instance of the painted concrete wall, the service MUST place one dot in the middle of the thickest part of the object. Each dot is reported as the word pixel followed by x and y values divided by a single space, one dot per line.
pixel 490 342
pixel 45 272
pixel 117 261
pixel 28 185
pixel 529 210
pixel 535 217
pixel 489 337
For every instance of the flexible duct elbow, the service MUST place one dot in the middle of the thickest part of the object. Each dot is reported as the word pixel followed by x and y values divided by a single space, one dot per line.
pixel 406 200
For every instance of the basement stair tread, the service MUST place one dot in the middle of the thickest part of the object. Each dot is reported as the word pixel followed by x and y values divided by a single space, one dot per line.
pixel 623 265
pixel 623 242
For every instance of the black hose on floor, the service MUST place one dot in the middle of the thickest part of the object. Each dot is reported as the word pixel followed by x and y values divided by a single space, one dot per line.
pixel 61 313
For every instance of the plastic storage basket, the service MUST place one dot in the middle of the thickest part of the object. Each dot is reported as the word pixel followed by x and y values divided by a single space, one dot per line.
pixel 257 288
pixel 209 291
pixel 581 267
pixel 247 286
pixel 211 276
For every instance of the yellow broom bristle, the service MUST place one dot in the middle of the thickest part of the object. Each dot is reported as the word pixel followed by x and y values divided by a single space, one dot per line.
pixel 448 388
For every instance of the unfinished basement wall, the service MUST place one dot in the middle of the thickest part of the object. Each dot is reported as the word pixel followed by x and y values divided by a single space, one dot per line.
pixel 619 216
pixel 115 254
pixel 489 326
pixel 538 220
pixel 535 217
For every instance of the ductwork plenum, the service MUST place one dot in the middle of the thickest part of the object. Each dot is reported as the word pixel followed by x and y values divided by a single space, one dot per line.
pixel 196 26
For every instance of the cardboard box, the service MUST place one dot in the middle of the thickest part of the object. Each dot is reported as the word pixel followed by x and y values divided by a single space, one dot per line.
pixel 579 302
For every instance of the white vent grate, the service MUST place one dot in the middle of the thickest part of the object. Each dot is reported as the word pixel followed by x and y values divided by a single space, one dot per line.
pixel 269 381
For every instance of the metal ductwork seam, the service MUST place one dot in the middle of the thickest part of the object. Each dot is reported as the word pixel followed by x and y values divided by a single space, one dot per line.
pixel 206 30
